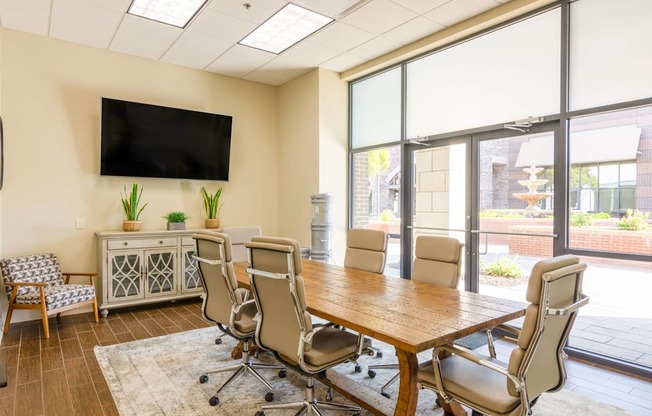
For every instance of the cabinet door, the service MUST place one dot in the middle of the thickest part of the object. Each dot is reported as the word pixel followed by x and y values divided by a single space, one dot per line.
pixel 190 280
pixel 125 275
pixel 159 272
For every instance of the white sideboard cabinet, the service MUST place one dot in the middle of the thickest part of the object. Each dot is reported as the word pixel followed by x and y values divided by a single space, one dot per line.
pixel 142 267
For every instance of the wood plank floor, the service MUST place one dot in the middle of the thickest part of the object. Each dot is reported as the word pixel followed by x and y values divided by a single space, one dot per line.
pixel 60 375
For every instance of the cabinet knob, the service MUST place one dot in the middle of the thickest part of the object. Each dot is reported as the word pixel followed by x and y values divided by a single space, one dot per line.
pixel 160 242
pixel 125 243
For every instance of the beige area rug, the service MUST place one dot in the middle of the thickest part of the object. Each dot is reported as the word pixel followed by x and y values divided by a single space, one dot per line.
pixel 160 376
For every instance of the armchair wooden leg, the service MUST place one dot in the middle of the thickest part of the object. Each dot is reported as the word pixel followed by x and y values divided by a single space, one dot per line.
pixel 97 318
pixel 10 310
pixel 46 325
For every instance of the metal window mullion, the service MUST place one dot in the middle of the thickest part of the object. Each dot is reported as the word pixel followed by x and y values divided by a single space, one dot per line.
pixel 407 179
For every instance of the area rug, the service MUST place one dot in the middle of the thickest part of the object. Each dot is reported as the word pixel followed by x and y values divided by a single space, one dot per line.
pixel 160 376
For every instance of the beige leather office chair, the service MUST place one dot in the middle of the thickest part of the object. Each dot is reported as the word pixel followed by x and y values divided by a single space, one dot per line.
pixel 536 365
pixel 438 261
pixel 366 250
pixel 223 304
pixel 36 282
pixel 285 326
pixel 239 236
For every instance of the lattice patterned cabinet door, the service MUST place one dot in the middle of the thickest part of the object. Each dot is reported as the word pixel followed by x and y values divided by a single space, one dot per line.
pixel 160 272
pixel 191 279
pixel 126 275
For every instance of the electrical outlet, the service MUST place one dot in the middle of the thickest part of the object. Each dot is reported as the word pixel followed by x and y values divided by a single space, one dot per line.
pixel 79 223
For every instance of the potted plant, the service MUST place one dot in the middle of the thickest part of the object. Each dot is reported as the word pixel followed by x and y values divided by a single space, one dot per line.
pixel 130 203
pixel 176 220
pixel 212 207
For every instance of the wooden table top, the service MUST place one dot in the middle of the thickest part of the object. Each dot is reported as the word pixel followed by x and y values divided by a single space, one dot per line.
pixel 412 316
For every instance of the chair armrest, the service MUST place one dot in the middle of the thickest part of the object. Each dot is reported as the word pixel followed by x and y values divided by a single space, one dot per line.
pixel 511 329
pixel 238 308
pixel 13 284
pixel 569 309
pixel 67 276
pixel 468 355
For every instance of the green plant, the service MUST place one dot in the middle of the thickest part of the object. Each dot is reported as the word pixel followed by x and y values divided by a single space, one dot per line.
pixel 503 267
pixel 212 202
pixel 388 216
pixel 581 219
pixel 176 216
pixel 131 201
pixel 634 221
pixel 601 215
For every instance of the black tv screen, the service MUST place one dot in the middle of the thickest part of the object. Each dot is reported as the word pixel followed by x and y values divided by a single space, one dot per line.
pixel 152 141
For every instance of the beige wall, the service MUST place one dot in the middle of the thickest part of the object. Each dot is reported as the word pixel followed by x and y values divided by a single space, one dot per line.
pixel 50 99
pixel 298 167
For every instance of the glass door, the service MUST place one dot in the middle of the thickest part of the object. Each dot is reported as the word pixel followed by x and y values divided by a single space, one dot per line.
pixel 513 208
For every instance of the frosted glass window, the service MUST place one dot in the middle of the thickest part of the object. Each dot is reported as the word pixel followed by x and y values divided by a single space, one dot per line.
pixel 506 75
pixel 376 109
pixel 610 43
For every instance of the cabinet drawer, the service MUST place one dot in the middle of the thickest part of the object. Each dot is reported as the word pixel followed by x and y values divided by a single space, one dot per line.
pixel 144 243
pixel 187 240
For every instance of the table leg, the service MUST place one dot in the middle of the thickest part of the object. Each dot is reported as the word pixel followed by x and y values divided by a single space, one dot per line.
pixel 408 395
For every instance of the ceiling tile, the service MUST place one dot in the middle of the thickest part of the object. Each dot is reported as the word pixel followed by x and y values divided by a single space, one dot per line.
pixel 252 57
pixel 456 11
pixel 221 26
pixel 332 8
pixel 26 22
pixel 38 7
pixel 421 6
pixel 231 69
pixel 202 45
pixel 86 15
pixel 379 16
pixel 183 58
pixel 118 5
pixel 274 77
pixel 413 30
pixel 259 11
pixel 343 62
pixel 374 48
pixel 341 37
pixel 312 54
pixel 143 37
pixel 79 34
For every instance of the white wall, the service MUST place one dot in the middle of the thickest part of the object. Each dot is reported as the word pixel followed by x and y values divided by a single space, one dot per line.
pixel 51 94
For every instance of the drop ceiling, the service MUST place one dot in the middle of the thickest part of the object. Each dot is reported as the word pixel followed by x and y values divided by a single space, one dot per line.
pixel 363 30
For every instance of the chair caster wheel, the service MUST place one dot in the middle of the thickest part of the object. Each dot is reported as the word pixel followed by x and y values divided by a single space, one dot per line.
pixel 371 373
pixel 384 394
pixel 269 397
pixel 259 413
pixel 282 373
pixel 214 401
pixel 357 369
pixel 437 402
pixel 379 354
pixel 218 341
pixel 203 379
pixel 329 396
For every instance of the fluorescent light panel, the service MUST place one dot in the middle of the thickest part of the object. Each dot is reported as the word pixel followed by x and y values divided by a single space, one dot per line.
pixel 288 26
pixel 172 12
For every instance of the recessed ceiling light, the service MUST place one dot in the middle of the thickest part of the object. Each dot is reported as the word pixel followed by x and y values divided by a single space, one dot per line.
pixel 172 12
pixel 287 27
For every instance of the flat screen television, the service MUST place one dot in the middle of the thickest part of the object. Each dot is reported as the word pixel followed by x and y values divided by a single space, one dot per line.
pixel 146 140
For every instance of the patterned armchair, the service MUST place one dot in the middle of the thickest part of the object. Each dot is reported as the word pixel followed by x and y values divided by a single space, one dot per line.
pixel 36 282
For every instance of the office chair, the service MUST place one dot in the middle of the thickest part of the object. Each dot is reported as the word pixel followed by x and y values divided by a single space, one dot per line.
pixel 223 304
pixel 285 326
pixel 437 261
pixel 366 250
pixel 536 364
pixel 36 282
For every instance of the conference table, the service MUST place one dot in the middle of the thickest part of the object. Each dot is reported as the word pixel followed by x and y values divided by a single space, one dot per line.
pixel 411 316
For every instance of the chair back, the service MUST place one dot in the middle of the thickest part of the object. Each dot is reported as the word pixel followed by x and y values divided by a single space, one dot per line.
pixel 239 236
pixel 213 255
pixel 438 260
pixel 277 286
pixel 366 250
pixel 39 268
pixel 555 295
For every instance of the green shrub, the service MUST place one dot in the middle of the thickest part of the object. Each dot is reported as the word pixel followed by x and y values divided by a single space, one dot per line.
pixel 176 216
pixel 601 215
pixel 388 216
pixel 581 219
pixel 503 267
pixel 634 221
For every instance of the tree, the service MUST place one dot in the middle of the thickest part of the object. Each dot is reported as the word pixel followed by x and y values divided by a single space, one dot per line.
pixel 378 161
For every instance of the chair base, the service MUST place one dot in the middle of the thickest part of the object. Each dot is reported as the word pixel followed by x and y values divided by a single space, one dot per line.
pixel 244 367
pixel 310 406
pixel 372 373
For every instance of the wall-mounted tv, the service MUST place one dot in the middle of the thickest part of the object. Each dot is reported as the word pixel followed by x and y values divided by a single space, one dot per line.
pixel 146 140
